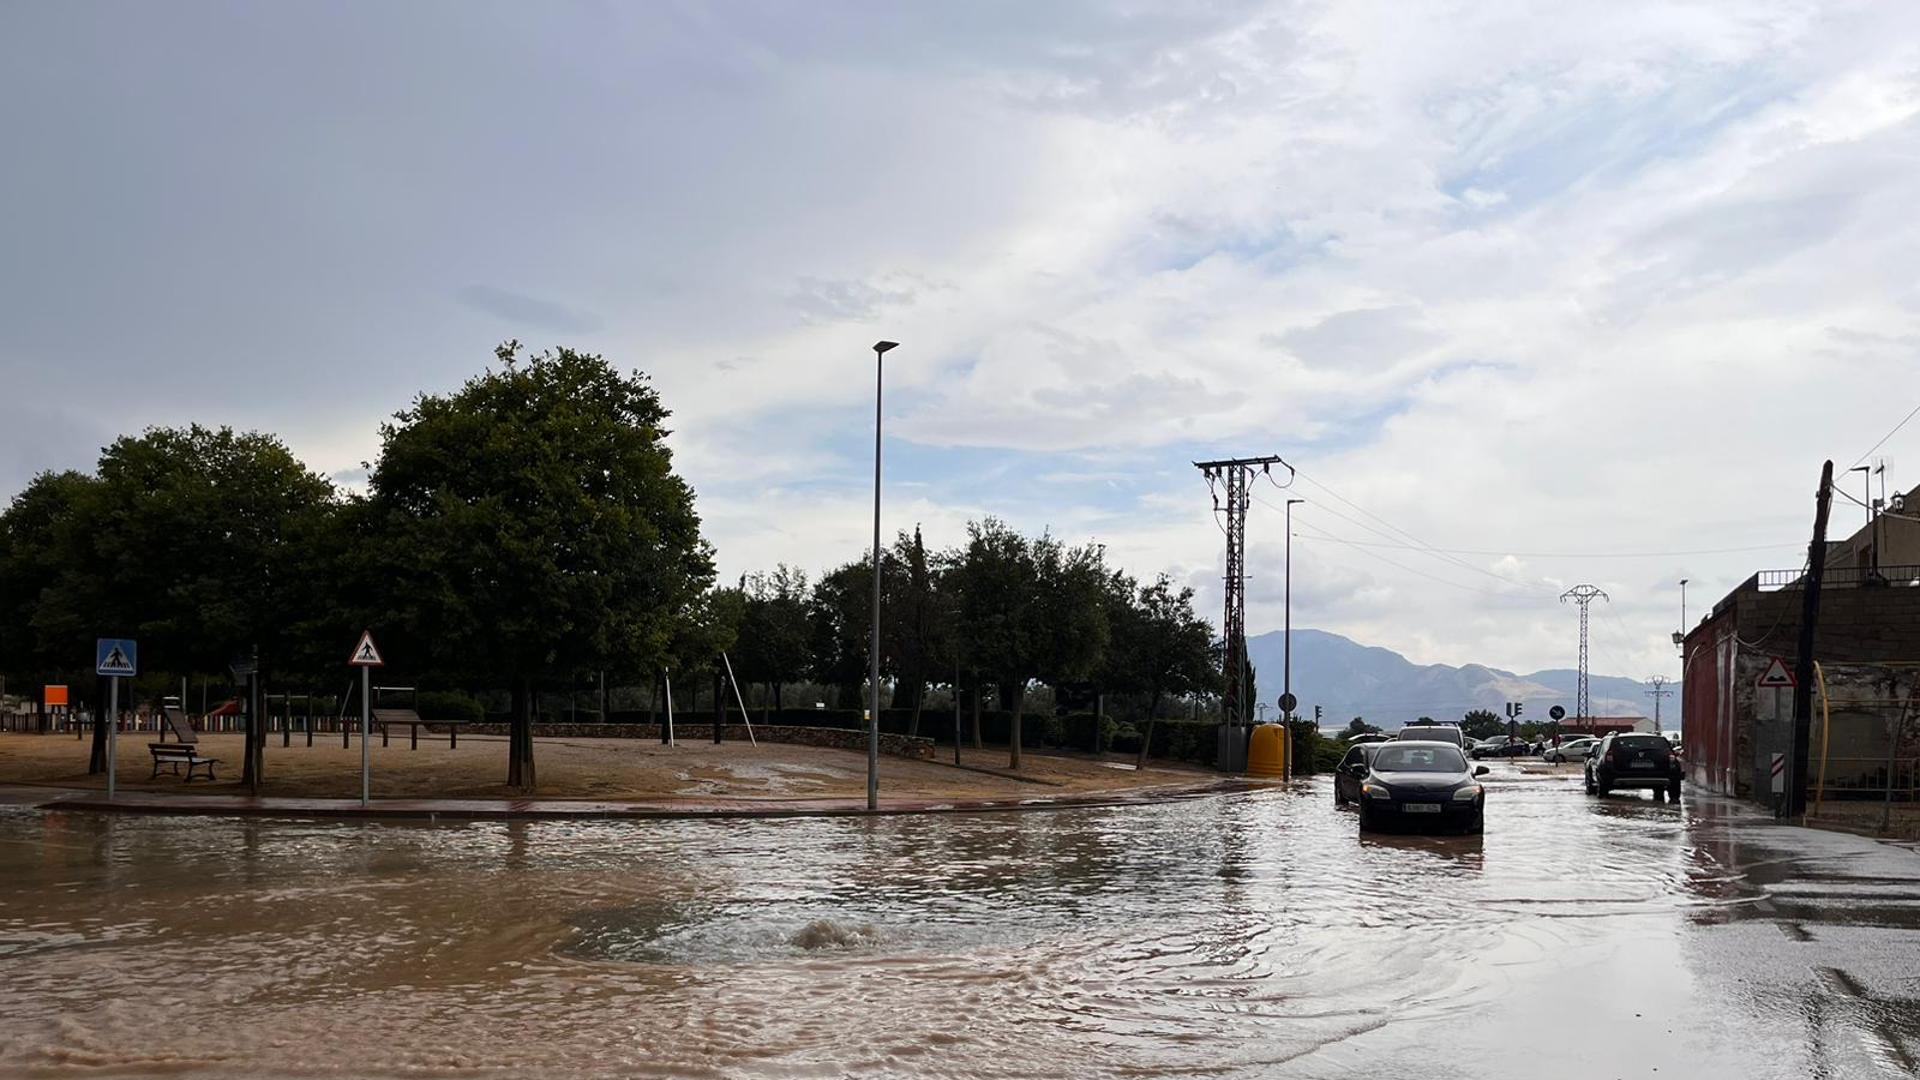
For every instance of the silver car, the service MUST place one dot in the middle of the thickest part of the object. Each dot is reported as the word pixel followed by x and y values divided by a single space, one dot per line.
pixel 1572 750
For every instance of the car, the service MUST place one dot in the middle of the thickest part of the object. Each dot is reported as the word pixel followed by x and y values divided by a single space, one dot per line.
pixel 1446 733
pixel 1353 769
pixel 1571 750
pixel 1370 737
pixel 1499 746
pixel 1634 760
pixel 1413 783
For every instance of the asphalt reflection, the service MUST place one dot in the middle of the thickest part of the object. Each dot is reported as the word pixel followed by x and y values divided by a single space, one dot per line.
pixel 1243 936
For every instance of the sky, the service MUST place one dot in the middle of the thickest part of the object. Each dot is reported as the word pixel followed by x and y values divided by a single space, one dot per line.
pixel 1528 295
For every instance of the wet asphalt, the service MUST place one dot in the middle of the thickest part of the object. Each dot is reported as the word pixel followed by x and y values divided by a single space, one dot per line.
pixel 1244 935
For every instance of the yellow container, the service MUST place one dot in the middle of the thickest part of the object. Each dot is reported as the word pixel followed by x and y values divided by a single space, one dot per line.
pixel 1267 751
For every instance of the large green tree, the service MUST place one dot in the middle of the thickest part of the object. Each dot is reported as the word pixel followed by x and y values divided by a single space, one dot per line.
pixel 531 523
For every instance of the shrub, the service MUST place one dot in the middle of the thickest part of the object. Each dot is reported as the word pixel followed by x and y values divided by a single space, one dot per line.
pixel 449 707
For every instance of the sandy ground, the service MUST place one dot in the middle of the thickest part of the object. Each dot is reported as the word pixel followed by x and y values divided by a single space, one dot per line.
pixel 600 769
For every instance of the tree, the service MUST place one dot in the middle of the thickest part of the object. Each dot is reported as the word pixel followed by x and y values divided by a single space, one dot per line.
pixel 189 540
pixel 1158 644
pixel 841 611
pixel 1359 726
pixel 1482 724
pixel 774 631
pixel 531 522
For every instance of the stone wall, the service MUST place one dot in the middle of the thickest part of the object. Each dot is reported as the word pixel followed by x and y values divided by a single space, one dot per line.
pixel 903 746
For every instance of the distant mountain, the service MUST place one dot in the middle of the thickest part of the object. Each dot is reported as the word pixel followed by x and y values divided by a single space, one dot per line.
pixel 1348 679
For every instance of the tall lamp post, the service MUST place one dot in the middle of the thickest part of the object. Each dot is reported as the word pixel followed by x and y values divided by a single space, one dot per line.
pixel 1680 635
pixel 880 349
pixel 1286 665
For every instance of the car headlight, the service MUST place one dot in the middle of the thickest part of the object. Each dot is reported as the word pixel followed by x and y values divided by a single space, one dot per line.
pixel 1376 791
pixel 1467 793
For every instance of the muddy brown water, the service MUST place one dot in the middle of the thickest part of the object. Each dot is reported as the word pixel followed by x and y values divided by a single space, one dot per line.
pixel 1236 936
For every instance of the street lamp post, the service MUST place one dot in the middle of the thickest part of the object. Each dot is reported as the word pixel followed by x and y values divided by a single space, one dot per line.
pixel 1680 635
pixel 873 659
pixel 1286 665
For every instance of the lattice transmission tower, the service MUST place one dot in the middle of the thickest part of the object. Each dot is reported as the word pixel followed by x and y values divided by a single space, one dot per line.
pixel 1234 475
pixel 1659 684
pixel 1582 595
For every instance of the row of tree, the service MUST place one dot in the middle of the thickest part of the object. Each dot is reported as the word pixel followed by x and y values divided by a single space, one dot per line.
pixel 526 531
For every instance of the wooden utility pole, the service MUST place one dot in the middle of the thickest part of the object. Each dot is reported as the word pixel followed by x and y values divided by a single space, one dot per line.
pixel 1803 660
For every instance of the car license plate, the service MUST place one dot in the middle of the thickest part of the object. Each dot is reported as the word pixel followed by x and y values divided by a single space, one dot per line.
pixel 1422 808
pixel 1641 765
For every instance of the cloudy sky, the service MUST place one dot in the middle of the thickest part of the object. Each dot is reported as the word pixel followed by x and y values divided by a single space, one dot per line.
pixel 1567 295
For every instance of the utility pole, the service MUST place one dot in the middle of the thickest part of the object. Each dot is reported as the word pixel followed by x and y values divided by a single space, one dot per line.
pixel 1803 662
pixel 1286 670
pixel 1583 595
pixel 1659 684
pixel 1235 474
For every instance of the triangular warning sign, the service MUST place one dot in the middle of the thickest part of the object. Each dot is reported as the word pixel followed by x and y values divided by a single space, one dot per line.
pixel 365 654
pixel 1776 675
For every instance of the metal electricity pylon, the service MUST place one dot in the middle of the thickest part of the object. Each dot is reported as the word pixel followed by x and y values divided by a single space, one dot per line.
pixel 1659 684
pixel 1235 474
pixel 1582 595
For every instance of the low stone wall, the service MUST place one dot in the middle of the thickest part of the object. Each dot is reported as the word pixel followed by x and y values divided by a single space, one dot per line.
pixel 903 746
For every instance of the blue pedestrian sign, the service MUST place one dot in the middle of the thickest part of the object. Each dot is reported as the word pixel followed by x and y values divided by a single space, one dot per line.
pixel 116 656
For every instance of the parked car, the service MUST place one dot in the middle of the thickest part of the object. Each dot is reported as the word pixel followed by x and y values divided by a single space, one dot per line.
pixel 1570 750
pixel 1417 783
pixel 1633 760
pixel 1507 746
pixel 1353 769
pixel 1446 733
pixel 1370 737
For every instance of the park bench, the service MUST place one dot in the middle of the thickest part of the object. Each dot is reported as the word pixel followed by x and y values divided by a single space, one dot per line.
pixel 176 754
pixel 391 718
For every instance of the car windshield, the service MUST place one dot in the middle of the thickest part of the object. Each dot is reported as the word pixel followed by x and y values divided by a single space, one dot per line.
pixel 1435 758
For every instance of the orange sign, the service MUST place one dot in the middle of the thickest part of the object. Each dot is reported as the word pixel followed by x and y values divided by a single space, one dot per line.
pixel 54 695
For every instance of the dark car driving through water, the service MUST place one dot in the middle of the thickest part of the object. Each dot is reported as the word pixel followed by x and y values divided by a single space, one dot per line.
pixel 1422 784
pixel 1634 760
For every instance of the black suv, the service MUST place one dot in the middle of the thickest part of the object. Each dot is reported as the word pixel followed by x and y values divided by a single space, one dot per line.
pixel 1630 760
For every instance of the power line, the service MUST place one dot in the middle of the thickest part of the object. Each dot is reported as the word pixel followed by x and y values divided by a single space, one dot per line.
pixel 1329 537
pixel 1585 554
pixel 1424 551
pixel 1888 435
pixel 1419 543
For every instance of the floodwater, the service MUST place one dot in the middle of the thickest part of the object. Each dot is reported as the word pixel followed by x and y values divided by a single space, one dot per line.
pixel 1233 936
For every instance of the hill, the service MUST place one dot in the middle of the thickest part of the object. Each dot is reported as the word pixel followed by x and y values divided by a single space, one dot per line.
pixel 1348 679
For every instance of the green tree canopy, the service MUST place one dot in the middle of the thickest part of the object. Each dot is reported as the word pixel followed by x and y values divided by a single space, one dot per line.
pixel 1482 724
pixel 531 522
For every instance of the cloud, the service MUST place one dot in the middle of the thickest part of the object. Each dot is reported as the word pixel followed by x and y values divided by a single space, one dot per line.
pixel 1595 278
pixel 529 311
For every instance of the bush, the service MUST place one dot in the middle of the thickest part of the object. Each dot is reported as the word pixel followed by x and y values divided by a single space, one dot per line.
pixel 449 707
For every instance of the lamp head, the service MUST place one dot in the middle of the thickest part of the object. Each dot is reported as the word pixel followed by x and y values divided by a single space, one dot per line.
pixel 880 347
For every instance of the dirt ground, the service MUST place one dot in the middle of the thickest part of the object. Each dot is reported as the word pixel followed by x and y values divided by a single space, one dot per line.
pixel 598 769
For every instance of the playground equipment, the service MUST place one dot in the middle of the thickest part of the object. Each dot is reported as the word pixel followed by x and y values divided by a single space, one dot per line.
pixel 174 718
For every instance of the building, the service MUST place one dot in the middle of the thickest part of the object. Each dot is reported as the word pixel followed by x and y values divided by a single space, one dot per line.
pixel 1738 664
pixel 1601 726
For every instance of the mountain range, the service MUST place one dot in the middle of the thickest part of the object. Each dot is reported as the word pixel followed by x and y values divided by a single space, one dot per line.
pixel 1348 679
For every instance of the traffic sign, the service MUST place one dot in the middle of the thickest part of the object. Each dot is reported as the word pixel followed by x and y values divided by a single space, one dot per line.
pixel 365 654
pixel 1287 702
pixel 1557 713
pixel 116 656
pixel 1776 675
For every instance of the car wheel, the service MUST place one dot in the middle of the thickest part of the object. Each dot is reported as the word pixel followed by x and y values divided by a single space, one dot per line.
pixel 1339 797
pixel 1366 819
pixel 1479 823
pixel 1601 787
pixel 1660 795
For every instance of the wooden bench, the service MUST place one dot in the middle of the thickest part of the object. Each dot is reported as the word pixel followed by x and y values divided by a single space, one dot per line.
pixel 391 718
pixel 176 754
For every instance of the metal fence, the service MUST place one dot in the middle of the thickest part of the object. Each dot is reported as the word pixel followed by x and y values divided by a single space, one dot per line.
pixel 1840 577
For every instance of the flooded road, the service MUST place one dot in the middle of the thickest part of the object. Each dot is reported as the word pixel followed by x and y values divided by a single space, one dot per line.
pixel 1235 936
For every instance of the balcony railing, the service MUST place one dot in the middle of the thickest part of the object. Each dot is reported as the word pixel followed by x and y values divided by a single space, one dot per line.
pixel 1841 577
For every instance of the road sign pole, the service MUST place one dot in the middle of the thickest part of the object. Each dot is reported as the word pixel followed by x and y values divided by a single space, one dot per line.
pixel 113 727
pixel 366 722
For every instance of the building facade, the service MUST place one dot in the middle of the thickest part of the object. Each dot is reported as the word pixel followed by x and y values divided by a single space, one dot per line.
pixel 1739 663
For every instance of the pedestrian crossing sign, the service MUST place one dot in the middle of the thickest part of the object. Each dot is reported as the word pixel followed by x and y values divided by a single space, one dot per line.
pixel 365 654
pixel 116 656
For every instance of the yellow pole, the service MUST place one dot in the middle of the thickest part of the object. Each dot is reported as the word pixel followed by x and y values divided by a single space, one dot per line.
pixel 1826 727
